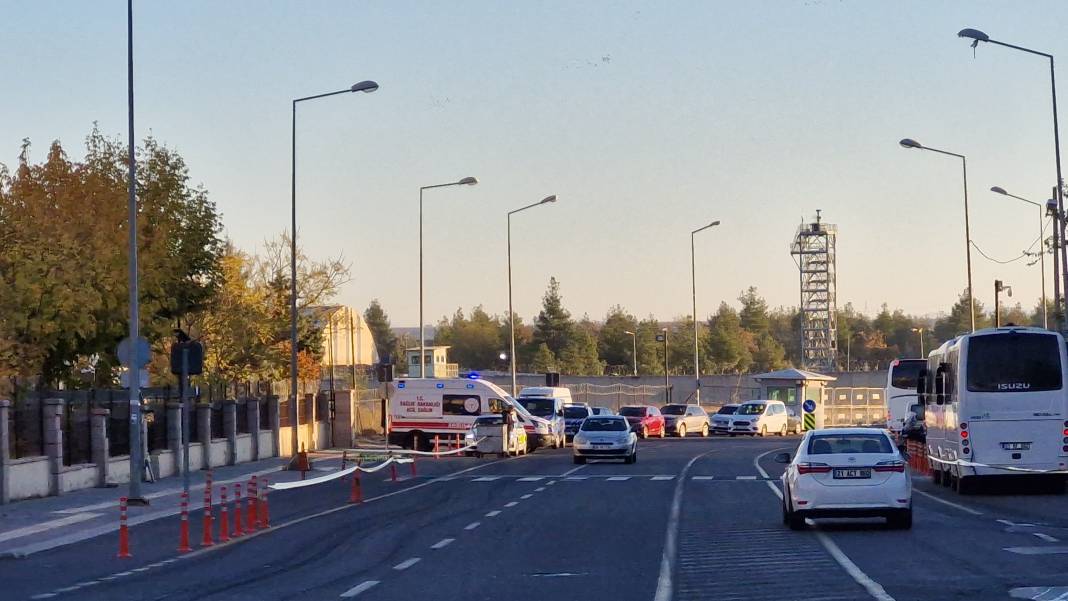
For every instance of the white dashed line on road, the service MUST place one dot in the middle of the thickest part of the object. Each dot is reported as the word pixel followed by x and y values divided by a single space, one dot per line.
pixel 359 588
pixel 1046 537
pixel 44 596
pixel 472 525
pixel 511 504
pixel 662 478
pixel 1037 550
pixel 703 478
pixel 550 483
pixel 539 489
pixel 526 496
pixel 441 544
pixel 618 478
pixel 530 479
pixel 745 478
pixel 494 513
pixel 407 563
pixel 574 478
pixel 486 479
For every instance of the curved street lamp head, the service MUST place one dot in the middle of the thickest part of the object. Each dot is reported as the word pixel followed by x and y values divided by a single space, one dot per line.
pixel 548 199
pixel 999 190
pixel 910 143
pixel 467 181
pixel 628 332
pixel 716 222
pixel 364 86
pixel 973 34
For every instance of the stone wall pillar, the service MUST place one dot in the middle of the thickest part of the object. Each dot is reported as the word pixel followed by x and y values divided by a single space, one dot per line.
pixel 98 443
pixel 5 451
pixel 252 409
pixel 230 430
pixel 204 430
pixel 53 439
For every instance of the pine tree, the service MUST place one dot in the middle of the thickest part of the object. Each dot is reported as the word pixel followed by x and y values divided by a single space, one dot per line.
pixel 553 325
pixel 381 330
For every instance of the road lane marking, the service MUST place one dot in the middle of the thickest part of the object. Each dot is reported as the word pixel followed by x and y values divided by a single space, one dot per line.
pixel 407 563
pixel 874 588
pixel 44 596
pixel 1037 550
pixel 1040 593
pixel 550 483
pixel 511 504
pixel 494 513
pixel 665 586
pixel 486 479
pixel 702 477
pixel 539 489
pixel 573 470
pixel 949 503
pixel 1014 524
pixel 44 526
pixel 359 588
pixel 530 479
pixel 526 496
pixel 472 525
pixel 746 477
pixel 662 478
pixel 574 478
pixel 1046 537
pixel 441 544
pixel 618 478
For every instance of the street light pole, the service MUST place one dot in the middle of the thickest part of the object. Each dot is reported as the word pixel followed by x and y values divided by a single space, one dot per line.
pixel 1042 246
pixel 634 350
pixel 909 143
pixel 467 181
pixel 978 36
pixel 667 374
pixel 363 86
pixel 511 312
pixel 693 288
pixel 920 332
pixel 137 460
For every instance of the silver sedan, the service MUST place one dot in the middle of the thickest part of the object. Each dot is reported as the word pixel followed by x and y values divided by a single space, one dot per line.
pixel 605 437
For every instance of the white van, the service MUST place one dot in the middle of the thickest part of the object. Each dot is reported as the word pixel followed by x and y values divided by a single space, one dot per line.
pixel 421 408
pixel 547 402
pixel 760 418
pixel 900 392
pixel 995 404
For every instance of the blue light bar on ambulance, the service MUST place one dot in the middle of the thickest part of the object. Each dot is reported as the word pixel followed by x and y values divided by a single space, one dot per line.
pixel 440 385
pixel 473 376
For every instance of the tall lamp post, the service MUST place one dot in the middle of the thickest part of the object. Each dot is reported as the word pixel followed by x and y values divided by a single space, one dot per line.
pixel 693 288
pixel 919 331
pixel 511 312
pixel 634 349
pixel 363 86
pixel 978 36
pixel 667 374
pixel 467 181
pixel 1042 245
pixel 909 143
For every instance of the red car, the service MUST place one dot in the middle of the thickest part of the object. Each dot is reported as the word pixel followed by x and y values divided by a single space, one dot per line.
pixel 646 420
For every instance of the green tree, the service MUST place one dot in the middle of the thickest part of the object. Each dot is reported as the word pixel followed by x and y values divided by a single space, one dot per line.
pixel 475 342
pixel 727 348
pixel 580 356
pixel 382 332
pixel 544 360
pixel 553 325
pixel 768 354
pixel 613 343
pixel 959 319
pixel 754 313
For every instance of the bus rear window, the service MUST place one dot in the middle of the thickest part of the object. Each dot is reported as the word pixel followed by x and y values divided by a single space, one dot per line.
pixel 1013 363
pixel 906 374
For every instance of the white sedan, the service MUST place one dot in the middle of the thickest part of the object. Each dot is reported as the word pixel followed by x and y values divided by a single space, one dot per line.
pixel 605 437
pixel 846 473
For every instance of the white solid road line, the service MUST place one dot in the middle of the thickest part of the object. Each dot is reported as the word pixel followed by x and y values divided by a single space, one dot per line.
pixel 472 525
pixel 44 526
pixel 407 563
pixel 494 513
pixel 949 503
pixel 441 544
pixel 874 588
pixel 665 586
pixel 359 588
pixel 572 471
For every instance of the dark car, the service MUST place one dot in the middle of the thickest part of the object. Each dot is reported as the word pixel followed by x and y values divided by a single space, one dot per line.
pixel 645 420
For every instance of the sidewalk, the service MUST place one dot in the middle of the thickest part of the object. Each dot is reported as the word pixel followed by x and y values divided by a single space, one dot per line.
pixel 34 525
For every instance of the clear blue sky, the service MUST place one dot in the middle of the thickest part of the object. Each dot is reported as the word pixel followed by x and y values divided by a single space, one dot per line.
pixel 647 119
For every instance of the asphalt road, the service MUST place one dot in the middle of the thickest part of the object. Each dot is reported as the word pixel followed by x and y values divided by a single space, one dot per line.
pixel 692 519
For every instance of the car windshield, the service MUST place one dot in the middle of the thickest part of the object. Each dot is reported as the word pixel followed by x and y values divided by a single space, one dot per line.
pixel 751 409
pixel 576 412
pixel 906 374
pixel 834 444
pixel 538 406
pixel 673 409
pixel 632 411
pixel 604 424
pixel 728 410
pixel 1014 362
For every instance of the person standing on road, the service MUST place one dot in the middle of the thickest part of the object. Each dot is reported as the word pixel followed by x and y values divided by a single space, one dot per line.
pixel 509 423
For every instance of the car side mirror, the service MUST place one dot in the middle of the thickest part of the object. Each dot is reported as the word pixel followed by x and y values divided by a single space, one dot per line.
pixel 782 458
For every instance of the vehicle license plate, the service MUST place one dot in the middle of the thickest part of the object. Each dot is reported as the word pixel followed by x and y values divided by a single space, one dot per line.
pixel 852 473
pixel 602 444
pixel 1016 446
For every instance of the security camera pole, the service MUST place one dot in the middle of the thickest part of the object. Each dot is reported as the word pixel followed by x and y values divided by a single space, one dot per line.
pixel 998 287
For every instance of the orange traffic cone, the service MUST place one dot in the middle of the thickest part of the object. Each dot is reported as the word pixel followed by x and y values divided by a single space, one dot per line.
pixel 224 525
pixel 124 533
pixel 183 527
pixel 236 514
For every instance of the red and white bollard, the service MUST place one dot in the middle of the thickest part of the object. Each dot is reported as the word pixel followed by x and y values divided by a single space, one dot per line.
pixel 224 525
pixel 436 447
pixel 250 523
pixel 392 469
pixel 236 514
pixel 183 526
pixel 413 465
pixel 356 494
pixel 206 541
pixel 124 533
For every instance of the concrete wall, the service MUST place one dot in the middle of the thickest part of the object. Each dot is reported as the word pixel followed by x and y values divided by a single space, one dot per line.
pixel 29 477
pixel 77 477
pixel 243 448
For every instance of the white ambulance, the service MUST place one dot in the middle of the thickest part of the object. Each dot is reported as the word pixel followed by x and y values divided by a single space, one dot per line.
pixel 422 408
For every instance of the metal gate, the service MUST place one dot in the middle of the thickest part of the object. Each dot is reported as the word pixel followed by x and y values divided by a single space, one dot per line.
pixel 854 407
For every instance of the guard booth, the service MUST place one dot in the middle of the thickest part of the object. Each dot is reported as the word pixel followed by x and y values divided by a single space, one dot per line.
pixel 793 387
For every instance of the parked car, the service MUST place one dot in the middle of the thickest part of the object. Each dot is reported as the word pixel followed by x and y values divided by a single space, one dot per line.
pixel 605 437
pixel 573 416
pixel 846 472
pixel 721 420
pixel 684 419
pixel 601 411
pixel 644 420
pixel 793 419
pixel 759 417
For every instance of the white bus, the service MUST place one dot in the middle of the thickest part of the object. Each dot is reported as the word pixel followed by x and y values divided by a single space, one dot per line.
pixel 995 404
pixel 900 393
